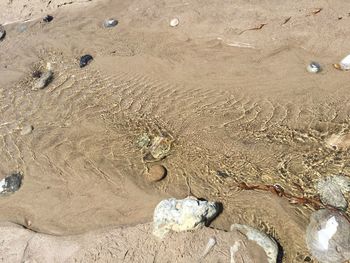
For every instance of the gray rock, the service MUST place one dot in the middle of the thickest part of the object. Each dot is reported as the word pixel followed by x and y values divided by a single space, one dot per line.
pixel 332 190
pixel 110 23
pixel 313 67
pixel 11 183
pixel 44 80
pixel 263 240
pixel 182 215
pixel 328 236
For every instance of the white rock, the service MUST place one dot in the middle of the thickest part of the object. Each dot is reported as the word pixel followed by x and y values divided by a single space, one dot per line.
pixel 267 243
pixel 27 130
pixel 174 22
pixel 182 215
pixel 345 63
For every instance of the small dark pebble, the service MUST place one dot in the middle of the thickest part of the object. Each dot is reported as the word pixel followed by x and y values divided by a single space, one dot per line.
pixel 307 259
pixel 84 60
pixel 222 174
pixel 2 32
pixel 48 18
pixel 11 184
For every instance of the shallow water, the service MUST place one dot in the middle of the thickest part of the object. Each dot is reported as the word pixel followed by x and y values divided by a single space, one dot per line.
pixel 237 115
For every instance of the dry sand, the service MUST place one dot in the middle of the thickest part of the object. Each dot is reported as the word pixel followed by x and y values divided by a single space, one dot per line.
pixel 229 83
pixel 129 244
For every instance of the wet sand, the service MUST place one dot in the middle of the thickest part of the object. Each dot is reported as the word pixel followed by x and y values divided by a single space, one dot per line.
pixel 237 99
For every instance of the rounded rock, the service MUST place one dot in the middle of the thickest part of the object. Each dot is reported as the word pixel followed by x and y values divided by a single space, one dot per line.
pixel 332 190
pixel 85 60
pixel 183 215
pixel 328 236
pixel 44 80
pixel 110 23
pixel 156 173
pixel 27 130
pixel 313 67
pixel 174 22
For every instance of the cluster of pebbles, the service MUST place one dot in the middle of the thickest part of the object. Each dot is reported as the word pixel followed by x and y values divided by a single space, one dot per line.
pixel 154 149
pixel 344 65
pixel 328 236
pixel 41 79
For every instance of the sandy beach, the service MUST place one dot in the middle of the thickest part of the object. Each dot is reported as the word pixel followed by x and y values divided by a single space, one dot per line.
pixel 250 127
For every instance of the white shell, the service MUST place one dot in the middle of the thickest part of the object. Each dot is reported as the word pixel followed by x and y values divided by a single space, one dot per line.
pixel 174 22
pixel 263 240
pixel 345 63
pixel 313 67
pixel 208 248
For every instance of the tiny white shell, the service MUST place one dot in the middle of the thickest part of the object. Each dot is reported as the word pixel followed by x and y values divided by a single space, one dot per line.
pixel 174 22
pixel 211 243
pixel 313 67
pixel 345 63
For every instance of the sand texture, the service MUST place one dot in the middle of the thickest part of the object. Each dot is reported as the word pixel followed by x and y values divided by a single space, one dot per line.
pixel 228 85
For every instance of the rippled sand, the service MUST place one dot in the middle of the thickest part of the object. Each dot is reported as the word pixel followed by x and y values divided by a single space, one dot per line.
pixel 237 99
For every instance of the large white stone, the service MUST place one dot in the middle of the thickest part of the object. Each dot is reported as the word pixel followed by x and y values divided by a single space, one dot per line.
pixel 182 215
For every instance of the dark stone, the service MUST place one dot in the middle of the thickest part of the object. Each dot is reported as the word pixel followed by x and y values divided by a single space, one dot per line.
pixel 222 174
pixel 11 184
pixel 2 32
pixel 48 18
pixel 85 60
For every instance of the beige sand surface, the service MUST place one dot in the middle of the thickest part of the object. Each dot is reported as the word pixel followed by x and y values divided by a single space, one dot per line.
pixel 236 98
pixel 128 244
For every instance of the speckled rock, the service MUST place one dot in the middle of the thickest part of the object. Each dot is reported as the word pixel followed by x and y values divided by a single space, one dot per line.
pixel 332 190
pixel 182 215
pixel 11 183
